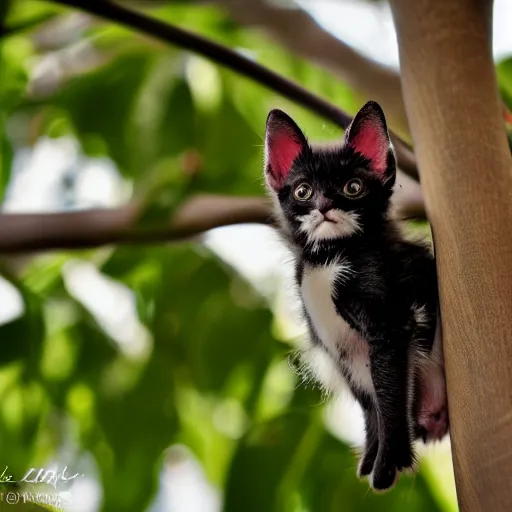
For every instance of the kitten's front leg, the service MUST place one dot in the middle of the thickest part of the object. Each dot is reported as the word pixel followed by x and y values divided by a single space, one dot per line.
pixel 371 423
pixel 390 374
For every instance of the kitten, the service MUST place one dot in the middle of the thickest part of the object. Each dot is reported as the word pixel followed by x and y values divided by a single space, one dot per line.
pixel 369 296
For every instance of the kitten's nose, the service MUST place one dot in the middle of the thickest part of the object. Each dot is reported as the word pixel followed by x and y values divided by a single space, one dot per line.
pixel 324 205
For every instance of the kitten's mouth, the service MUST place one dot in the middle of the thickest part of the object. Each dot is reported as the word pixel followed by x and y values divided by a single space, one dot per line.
pixel 324 222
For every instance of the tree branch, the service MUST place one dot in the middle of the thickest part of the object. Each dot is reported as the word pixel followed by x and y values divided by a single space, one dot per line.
pixel 26 232
pixel 235 61
pixel 297 30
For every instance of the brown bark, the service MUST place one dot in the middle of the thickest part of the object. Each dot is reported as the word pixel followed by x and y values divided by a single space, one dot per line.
pixel 454 112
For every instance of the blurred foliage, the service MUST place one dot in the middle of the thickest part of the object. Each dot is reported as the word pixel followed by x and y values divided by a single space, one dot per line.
pixel 204 375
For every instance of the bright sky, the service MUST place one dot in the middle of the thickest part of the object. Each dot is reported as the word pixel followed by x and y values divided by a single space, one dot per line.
pixel 369 27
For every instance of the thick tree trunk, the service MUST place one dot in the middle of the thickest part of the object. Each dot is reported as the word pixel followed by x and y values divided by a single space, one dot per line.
pixel 454 112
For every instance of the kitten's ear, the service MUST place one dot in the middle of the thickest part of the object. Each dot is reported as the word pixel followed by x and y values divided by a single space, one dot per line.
pixel 284 142
pixel 368 135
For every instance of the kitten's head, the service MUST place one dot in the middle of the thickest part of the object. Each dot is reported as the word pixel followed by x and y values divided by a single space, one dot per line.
pixel 326 194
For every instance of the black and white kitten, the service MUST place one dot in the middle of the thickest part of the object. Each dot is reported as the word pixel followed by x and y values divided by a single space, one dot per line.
pixel 369 296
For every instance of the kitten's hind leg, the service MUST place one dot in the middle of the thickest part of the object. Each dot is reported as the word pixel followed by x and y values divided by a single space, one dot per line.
pixel 390 369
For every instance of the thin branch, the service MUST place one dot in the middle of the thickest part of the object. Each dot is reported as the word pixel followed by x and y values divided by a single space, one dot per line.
pixel 298 31
pixel 235 61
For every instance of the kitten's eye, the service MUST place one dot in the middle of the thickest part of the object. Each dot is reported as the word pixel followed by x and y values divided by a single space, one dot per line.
pixel 353 188
pixel 302 192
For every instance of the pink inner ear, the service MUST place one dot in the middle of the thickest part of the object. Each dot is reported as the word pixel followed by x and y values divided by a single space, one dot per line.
pixel 283 148
pixel 372 142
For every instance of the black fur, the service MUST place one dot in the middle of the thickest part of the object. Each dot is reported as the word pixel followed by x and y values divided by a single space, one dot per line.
pixel 389 277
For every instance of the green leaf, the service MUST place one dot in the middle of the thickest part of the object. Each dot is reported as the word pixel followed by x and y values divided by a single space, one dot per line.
pixel 25 409
pixel 261 464
pixel 14 53
pixel 6 158
pixel 22 338
pixel 143 419
pixel 164 119
pixel 100 105
pixel 504 71
pixel 28 10
pixel 13 82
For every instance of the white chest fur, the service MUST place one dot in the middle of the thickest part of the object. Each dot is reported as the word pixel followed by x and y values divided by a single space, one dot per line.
pixel 336 335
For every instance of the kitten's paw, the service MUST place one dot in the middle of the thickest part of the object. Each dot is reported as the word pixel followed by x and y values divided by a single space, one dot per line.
pixel 384 475
pixel 367 461
pixel 392 460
